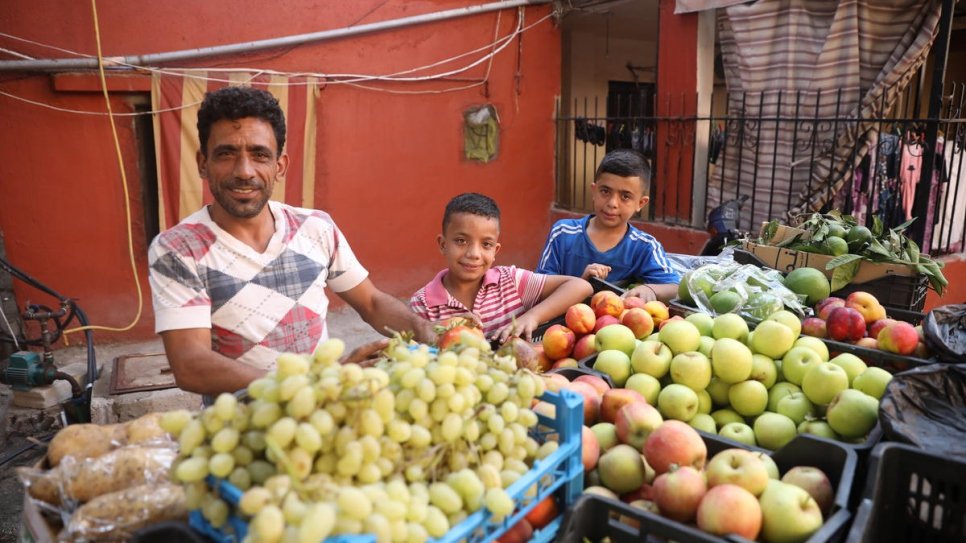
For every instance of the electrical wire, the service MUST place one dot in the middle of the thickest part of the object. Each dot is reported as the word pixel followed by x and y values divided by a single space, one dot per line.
pixel 13 334
pixel 127 203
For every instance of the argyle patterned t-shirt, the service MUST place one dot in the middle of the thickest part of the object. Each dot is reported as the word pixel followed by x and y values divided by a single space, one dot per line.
pixel 257 305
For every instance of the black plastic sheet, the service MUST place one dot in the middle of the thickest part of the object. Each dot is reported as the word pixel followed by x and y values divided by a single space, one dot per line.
pixel 926 407
pixel 945 331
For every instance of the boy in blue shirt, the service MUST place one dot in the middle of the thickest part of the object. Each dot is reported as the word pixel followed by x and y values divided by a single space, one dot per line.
pixel 604 245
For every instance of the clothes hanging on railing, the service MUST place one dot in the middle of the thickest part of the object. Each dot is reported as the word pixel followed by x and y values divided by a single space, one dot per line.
pixel 717 144
pixel 910 170
pixel 587 131
pixel 950 199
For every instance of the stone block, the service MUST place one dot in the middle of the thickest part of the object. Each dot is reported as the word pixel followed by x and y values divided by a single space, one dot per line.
pixel 51 395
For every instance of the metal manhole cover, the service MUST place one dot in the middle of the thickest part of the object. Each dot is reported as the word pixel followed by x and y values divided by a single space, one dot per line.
pixel 140 372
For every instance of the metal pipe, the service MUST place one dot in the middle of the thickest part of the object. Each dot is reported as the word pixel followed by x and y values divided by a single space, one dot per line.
pixel 54 65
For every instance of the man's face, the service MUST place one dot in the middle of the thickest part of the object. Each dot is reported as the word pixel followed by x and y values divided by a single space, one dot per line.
pixel 242 165
pixel 617 199
pixel 469 244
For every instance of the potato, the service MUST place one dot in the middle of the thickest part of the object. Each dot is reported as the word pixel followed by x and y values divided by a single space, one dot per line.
pixel 117 515
pixel 81 441
pixel 144 429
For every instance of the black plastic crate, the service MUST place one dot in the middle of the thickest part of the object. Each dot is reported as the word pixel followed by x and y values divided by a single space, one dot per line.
pixel 538 332
pixel 911 495
pixel 594 517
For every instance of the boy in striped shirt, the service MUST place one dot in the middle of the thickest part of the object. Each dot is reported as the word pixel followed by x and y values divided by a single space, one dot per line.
pixel 506 300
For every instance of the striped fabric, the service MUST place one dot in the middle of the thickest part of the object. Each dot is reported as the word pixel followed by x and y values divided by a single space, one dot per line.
pixel 832 59
pixel 177 99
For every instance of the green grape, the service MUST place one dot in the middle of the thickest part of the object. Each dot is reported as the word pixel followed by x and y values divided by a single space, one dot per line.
pixel 445 497
pixel 493 458
pixel 338 412
pixel 254 440
pixel 225 440
pixel 293 509
pixel 520 453
pixel 420 437
pixel 369 473
pixel 192 469
pixel 448 358
pixel 385 405
pixel 317 522
pixel 489 475
pixel 260 471
pixel 377 376
pixel 224 407
pixel 471 431
pixel 283 431
pixel 415 473
pixel 203 451
pixel 349 465
pixel 404 399
pixel 418 358
pixel 527 418
pixel 302 404
pixel 192 436
pixel 417 409
pixel 242 417
pixel 265 414
pixel 216 512
pixel 300 462
pixel 350 373
pixel 399 431
pixel 307 437
pixel 518 466
pixel 442 375
pixel 417 511
pixel 290 385
pixel 412 377
pixel 539 387
pixel 508 477
pixel 326 463
pixel 279 485
pixel 386 466
pixel 258 387
pixel 456 403
pixel 391 509
pixel 436 523
pixel 497 394
pixel 509 411
pixel 268 524
pixel 370 423
pixel 439 409
pixel 507 441
pixel 519 433
pixel 343 438
pixel 322 421
pixel 532 447
pixel 347 526
pixel 390 450
pixel 371 450
pixel 195 494
pixel 426 390
pixel 464 377
pixel 399 530
pixel 398 490
pixel 240 478
pixel 174 422
pixel 484 382
pixel 378 525
pixel 289 364
pixel 488 441
pixel 452 427
pixel 495 424
pixel 328 389
pixel 221 464
pixel 415 533
pixel 329 351
pixel 499 502
pixel 353 503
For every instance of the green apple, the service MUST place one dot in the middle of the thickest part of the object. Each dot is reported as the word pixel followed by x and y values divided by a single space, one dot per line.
pixel 678 402
pixel 615 337
pixel 646 385
pixel 652 358
pixel 740 432
pixel 814 344
pixel 737 467
pixel 680 336
pixel 606 434
pixel 789 319
pixel 853 365
pixel 748 398
pixel 789 514
pixel 718 390
pixel 779 391
pixel 704 401
pixel 622 469
pixel 770 465
pixel 655 336
pixel 614 363
pixel 731 326
pixel 772 339
pixel 704 422
pixel 796 362
pixel 853 413
pixel 702 321
pixel 731 360
pixel 724 416
pixel 796 406
pixel 707 343
pixel 691 369
pixel 818 428
pixel 773 430
pixel 764 370
pixel 823 381
pixel 873 381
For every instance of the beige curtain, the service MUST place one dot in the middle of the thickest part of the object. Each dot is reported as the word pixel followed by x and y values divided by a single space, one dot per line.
pixel 790 61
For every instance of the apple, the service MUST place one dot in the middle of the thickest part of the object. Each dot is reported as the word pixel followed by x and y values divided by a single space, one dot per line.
pixel 580 318
pixel 867 305
pixel 853 365
pixel 823 308
pixel 520 532
pixel 616 337
pixel 748 398
pixel 873 382
pixel 665 322
pixel 796 406
pixel 554 381
pixel 678 492
pixel 591 400
pixel 737 467
pixel 724 416
pixel 740 432
pixel 772 339
pixel 601 491
pixel 691 369
pixel 818 428
pixel 564 363
pixel 702 321
pixel 898 337
pixel 585 346
pixel 703 422
pixel 558 342
pixel 704 402
pixel 770 466
pixel 639 321
pixel 868 343
pixel 605 321
pixel 542 362
pixel 614 363
pixel 707 342
pixel 788 514
pixel 589 448
pixel 646 385
pixel 678 402
pixel 789 319
pixel 543 513
pixel 763 370
pixel 606 434
pixel 730 326
pixel 718 390
pixel 823 381
pixel 814 327
pixel 606 302
pixel 852 413
pixel 878 325
pixel 635 422
pixel 680 336
pixel 621 469
pixel 796 362
pixel 595 381
pixel 815 482
pixel 779 391
pixel 845 324
pixel 773 431
pixel 922 350
pixel 814 344
pixel 652 358
pixel 631 302
pixel 729 509
pixel 614 399
pixel 674 442
pixel 659 312
pixel 731 360
pixel 644 505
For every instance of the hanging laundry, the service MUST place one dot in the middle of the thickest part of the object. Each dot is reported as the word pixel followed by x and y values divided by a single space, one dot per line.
pixel 589 132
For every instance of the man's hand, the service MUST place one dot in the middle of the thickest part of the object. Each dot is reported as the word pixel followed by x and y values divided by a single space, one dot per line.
pixel 522 327
pixel 644 292
pixel 599 271
pixel 365 354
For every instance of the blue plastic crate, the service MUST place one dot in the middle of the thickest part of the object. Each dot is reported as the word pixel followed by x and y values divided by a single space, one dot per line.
pixel 562 472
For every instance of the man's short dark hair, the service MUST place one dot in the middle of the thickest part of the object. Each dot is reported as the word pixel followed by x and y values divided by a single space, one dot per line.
pixel 233 103
pixel 626 163
pixel 472 203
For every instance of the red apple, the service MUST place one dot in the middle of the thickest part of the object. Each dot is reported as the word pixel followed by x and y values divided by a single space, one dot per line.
pixel 591 401
pixel 584 347
pixel 564 363
pixel 815 327
pixel 590 448
pixel 518 533
pixel 878 325
pixel 823 308
pixel 606 302
pixel 867 305
pixel 678 492
pixel 815 482
pixel 558 342
pixel 899 337
pixel 868 343
pixel 599 384
pixel 922 351
pixel 738 467
pixel 631 302
pixel 605 320
pixel 639 321
pixel 845 324
pixel 616 398
pixel 674 442
pixel 635 422
pixel 580 318
pixel 730 509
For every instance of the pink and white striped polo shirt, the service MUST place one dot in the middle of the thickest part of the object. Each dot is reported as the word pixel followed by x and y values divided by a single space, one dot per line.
pixel 506 292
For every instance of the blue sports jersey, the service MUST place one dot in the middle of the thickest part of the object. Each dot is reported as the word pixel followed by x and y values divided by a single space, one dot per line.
pixel 638 256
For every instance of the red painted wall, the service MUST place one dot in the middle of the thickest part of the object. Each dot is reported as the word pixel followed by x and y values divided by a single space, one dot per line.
pixel 388 163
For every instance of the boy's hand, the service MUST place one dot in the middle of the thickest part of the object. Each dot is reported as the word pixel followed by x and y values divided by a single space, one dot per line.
pixel 365 355
pixel 521 327
pixel 644 292
pixel 599 271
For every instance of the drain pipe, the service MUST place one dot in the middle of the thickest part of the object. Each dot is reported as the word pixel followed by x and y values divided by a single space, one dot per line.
pixel 56 65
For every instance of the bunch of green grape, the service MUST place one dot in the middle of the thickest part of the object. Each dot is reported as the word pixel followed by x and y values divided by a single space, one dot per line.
pixel 404 449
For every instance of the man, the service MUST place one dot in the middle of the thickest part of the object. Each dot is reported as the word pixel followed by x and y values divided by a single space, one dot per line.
pixel 242 280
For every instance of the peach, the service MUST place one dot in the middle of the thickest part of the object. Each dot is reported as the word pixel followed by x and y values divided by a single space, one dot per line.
pixel 868 343
pixel 606 302
pixel 845 324
pixel 867 305
pixel 899 337
pixel 605 320
pixel 555 382
pixel 823 308
pixel 639 321
pixel 590 448
pixel 584 347
pixel 543 363
pixel 616 398
pixel 599 384
pixel 631 302
pixel 580 318
pixel 659 312
pixel 591 401
pixel 661 325
pixel 815 327
pixel 558 342
pixel 564 363
pixel 878 325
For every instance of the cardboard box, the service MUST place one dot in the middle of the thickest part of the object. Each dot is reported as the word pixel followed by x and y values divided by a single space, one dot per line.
pixel 786 260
